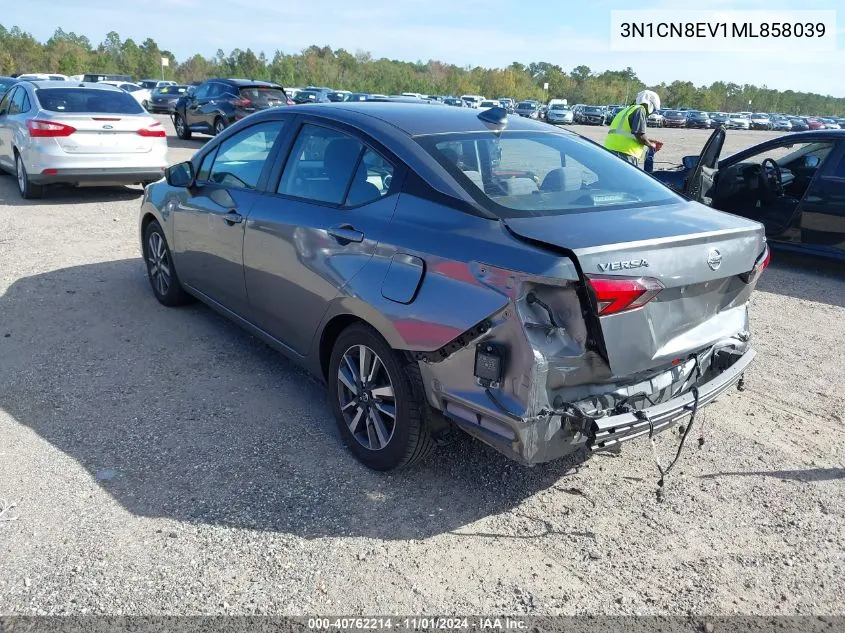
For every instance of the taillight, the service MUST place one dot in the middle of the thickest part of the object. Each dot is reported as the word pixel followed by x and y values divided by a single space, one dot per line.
pixel 620 294
pixel 155 130
pixel 240 103
pixel 760 265
pixel 44 129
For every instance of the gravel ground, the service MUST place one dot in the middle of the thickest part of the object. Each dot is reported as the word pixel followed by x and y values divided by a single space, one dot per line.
pixel 162 461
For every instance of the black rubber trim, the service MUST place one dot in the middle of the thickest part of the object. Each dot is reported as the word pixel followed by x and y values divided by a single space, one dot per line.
pixel 455 344
pixel 414 185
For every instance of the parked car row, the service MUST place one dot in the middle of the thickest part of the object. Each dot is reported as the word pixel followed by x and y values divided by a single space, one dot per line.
pixel 744 121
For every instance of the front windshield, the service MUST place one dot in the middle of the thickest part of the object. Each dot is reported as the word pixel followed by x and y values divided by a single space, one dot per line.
pixel 593 110
pixel 559 106
pixel 519 174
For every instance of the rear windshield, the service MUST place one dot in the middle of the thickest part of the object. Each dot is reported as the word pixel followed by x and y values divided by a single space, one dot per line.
pixel 263 96
pixel 521 174
pixel 87 100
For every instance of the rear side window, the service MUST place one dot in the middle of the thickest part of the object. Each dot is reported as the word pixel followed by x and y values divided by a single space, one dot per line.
pixel 240 159
pixel 371 180
pixel 87 100
pixel 263 97
pixel 321 165
pixel 15 106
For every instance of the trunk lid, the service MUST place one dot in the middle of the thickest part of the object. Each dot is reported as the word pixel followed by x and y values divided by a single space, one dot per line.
pixel 106 133
pixel 697 254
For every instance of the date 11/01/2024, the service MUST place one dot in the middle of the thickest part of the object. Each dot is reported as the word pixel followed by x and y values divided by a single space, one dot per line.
pixel 717 29
pixel 418 623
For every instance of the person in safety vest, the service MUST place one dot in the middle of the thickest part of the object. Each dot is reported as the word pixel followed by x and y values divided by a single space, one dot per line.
pixel 627 136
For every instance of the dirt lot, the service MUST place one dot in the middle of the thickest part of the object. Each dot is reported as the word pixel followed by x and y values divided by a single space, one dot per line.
pixel 162 461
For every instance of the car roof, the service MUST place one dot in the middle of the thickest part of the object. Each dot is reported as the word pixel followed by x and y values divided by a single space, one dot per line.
pixel 415 119
pixel 245 82
pixel 99 85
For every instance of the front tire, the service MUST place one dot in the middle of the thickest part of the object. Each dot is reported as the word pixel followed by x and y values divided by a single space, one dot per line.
pixel 28 189
pixel 182 129
pixel 377 399
pixel 160 270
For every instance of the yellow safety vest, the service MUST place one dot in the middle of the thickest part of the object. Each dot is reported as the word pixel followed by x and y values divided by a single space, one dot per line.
pixel 619 137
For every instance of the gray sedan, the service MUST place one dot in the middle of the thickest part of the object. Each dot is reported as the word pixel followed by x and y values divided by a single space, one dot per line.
pixel 441 269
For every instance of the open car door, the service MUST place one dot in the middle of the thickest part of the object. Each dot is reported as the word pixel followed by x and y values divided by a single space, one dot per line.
pixel 699 182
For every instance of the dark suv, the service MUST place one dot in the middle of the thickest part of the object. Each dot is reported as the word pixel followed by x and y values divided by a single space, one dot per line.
pixel 217 103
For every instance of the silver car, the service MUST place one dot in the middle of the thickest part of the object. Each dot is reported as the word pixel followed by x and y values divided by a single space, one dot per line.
pixel 558 114
pixel 67 132
pixel 441 269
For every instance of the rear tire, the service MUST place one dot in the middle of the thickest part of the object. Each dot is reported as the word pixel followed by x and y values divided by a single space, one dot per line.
pixel 182 129
pixel 393 427
pixel 28 189
pixel 160 269
pixel 219 125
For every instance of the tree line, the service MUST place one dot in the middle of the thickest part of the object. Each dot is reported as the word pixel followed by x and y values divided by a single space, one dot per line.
pixel 72 54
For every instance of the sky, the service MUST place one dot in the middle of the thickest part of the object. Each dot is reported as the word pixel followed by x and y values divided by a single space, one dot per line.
pixel 491 33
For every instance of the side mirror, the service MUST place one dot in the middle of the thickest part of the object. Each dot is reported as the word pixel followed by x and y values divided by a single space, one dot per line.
pixel 690 162
pixel 180 175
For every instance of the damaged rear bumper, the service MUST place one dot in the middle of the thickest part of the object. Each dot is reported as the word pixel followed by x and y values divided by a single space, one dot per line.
pixel 612 430
pixel 554 434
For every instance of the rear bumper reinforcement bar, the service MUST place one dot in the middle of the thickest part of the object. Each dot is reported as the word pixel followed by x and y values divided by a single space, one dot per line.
pixel 615 429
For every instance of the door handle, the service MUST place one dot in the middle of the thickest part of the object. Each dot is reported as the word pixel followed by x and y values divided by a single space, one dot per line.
pixel 233 217
pixel 346 233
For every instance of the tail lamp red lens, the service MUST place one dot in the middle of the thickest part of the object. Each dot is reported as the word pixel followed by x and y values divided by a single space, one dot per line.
pixel 46 129
pixel 621 294
pixel 240 103
pixel 155 131
pixel 760 265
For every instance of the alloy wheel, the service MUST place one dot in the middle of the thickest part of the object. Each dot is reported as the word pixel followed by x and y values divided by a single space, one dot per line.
pixel 180 126
pixel 219 127
pixel 158 263
pixel 366 396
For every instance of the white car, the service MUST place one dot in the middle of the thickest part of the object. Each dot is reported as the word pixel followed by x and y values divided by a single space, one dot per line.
pixel 42 77
pixel 472 101
pixel 489 103
pixel 152 84
pixel 559 113
pixel 64 132
pixel 140 94
pixel 738 121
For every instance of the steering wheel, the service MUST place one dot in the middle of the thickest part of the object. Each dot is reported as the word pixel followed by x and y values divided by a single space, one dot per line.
pixel 771 178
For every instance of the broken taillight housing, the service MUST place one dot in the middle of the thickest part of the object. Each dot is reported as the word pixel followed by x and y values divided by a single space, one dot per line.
pixel 760 265
pixel 620 294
